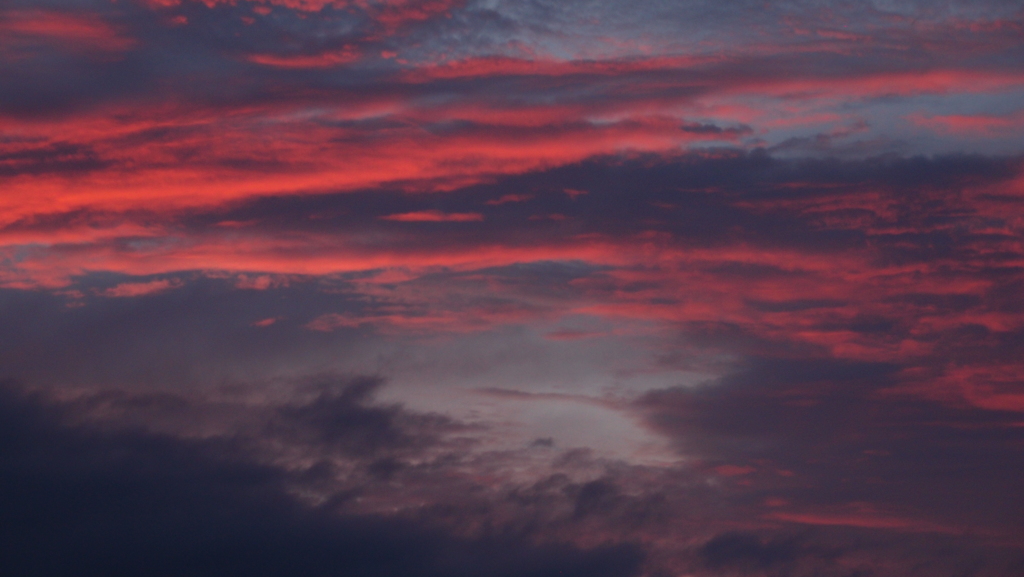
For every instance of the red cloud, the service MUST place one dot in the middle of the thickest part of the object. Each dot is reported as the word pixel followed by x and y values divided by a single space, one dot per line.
pixel 434 216
pixel 865 517
pixel 322 60
pixel 139 289
pixel 80 32
pixel 977 124
pixel 509 198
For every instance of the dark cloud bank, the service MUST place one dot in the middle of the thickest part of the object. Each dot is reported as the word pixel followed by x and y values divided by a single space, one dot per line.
pixel 78 500
pixel 88 486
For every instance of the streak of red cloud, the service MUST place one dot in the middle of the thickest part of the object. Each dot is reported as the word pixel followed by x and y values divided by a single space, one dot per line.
pixel 865 520
pixel 319 255
pixel 76 31
pixel 291 155
pixel 296 159
pixel 434 216
pixel 991 386
pixel 977 124
pixel 392 14
pixel 323 60
pixel 140 288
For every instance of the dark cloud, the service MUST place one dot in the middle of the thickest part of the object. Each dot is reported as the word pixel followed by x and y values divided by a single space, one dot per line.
pixel 809 552
pixel 339 417
pixel 820 435
pixel 746 550
pixel 83 501
pixel 192 341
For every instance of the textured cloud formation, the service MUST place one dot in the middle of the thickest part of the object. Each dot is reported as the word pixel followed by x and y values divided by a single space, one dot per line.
pixel 478 287
pixel 860 316
pixel 83 500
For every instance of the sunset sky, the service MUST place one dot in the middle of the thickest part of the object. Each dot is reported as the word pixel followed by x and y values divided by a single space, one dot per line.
pixel 512 288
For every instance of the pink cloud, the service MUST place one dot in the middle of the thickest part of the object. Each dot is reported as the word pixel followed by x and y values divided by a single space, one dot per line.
pixel 509 198
pixel 346 55
pixel 139 289
pixel 976 124
pixel 434 216
pixel 76 31
pixel 864 520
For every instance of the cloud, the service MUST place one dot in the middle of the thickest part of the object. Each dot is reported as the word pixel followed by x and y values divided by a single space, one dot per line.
pixel 128 501
pixel 661 289
pixel 968 124
pixel 340 416
pixel 54 158
pixel 139 288
pixel 606 228
pixel 322 60
pixel 747 550
pixel 83 32
pixel 506 198
pixel 434 216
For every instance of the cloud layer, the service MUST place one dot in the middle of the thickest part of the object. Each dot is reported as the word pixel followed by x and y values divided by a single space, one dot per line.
pixel 503 288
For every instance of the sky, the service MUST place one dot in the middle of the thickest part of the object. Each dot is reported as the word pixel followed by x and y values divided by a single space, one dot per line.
pixel 494 288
